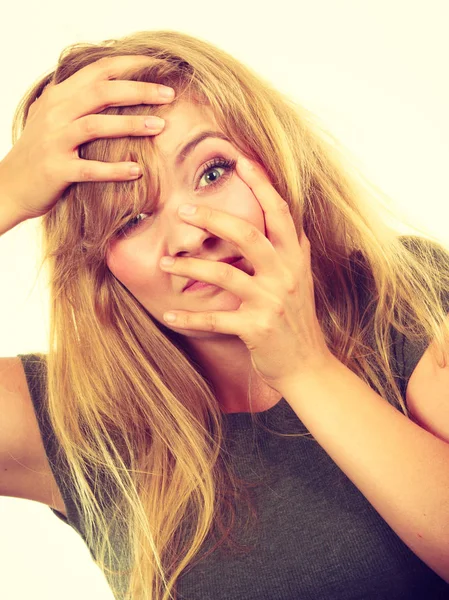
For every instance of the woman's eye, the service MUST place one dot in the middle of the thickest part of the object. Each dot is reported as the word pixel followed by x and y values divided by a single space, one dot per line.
pixel 130 225
pixel 216 163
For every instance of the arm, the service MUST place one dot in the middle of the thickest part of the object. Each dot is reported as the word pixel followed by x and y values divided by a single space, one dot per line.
pixel 10 215
pixel 402 469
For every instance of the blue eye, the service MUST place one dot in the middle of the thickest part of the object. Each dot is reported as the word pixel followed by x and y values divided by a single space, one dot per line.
pixel 214 164
pixel 223 163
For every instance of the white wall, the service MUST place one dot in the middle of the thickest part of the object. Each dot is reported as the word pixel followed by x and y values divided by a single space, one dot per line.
pixel 375 71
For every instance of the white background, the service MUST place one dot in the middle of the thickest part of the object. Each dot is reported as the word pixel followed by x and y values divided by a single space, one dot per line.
pixel 374 71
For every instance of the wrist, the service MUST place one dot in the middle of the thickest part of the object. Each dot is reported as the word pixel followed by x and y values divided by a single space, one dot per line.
pixel 11 213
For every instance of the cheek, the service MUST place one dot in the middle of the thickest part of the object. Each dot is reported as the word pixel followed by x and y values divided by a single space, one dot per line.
pixel 127 266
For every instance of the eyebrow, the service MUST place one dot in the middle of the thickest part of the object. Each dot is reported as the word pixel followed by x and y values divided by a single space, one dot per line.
pixel 193 143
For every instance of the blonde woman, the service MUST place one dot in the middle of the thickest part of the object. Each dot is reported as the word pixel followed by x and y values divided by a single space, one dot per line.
pixel 287 436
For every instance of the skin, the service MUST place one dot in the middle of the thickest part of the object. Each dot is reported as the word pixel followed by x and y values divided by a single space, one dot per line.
pixel 134 259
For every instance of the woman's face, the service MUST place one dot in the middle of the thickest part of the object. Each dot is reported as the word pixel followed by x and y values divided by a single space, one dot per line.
pixel 134 258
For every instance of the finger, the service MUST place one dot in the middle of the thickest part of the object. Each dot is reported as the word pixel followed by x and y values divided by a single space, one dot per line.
pixel 108 67
pixel 223 275
pixel 105 94
pixel 111 126
pixel 279 225
pixel 94 88
pixel 252 244
pixel 94 170
pixel 228 322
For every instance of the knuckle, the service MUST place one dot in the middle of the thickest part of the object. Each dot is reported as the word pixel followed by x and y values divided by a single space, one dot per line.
pixel 211 322
pixel 134 124
pixel 99 92
pixel 105 65
pixel 225 273
pixel 89 125
pixel 206 214
pixel 139 91
pixel 284 208
pixel 279 309
pixel 251 234
pixel 86 172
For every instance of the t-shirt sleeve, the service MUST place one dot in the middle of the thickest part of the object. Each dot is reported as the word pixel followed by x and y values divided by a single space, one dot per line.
pixel 408 353
pixel 405 353
pixel 35 371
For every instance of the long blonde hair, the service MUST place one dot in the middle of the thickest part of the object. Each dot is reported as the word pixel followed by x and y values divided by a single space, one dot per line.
pixel 128 405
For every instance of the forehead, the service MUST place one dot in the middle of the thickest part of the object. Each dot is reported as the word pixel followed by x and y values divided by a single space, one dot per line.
pixel 182 121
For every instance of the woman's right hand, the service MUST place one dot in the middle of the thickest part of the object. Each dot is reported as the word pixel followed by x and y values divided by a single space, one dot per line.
pixel 45 161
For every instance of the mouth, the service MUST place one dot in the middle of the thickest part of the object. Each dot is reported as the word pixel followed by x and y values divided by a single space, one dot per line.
pixel 194 284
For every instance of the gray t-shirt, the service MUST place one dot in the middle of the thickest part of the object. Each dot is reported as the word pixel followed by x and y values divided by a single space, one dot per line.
pixel 317 536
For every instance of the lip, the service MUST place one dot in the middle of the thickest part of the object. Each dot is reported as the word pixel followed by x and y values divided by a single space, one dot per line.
pixel 194 284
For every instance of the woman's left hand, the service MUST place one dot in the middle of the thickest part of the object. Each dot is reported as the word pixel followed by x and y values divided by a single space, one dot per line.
pixel 276 319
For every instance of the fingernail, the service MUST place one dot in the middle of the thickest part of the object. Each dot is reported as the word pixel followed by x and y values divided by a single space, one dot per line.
pixel 167 261
pixel 169 317
pixel 187 209
pixel 167 92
